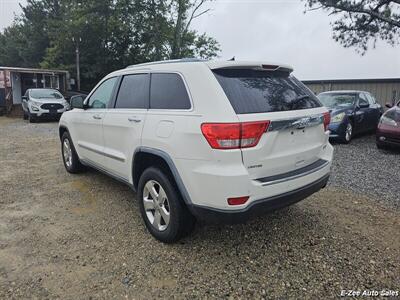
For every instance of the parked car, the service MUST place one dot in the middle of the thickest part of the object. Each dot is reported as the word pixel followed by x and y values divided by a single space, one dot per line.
pixel 352 112
pixel 43 103
pixel 202 140
pixel 388 132
pixel 69 94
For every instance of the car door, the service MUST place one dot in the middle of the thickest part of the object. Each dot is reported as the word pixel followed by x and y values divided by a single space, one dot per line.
pixel 88 123
pixel 123 124
pixel 375 110
pixel 362 116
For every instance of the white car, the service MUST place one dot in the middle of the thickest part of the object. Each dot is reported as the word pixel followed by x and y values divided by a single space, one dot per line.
pixel 202 140
pixel 43 103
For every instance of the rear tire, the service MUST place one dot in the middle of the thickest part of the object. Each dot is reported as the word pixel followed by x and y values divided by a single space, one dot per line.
pixel 163 210
pixel 69 156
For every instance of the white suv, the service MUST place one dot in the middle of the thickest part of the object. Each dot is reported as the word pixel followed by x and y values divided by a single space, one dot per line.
pixel 43 103
pixel 202 140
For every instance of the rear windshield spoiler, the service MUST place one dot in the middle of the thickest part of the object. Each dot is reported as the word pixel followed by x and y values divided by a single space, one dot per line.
pixel 269 68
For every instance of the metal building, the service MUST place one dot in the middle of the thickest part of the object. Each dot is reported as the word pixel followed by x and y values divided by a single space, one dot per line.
pixel 385 90
pixel 15 81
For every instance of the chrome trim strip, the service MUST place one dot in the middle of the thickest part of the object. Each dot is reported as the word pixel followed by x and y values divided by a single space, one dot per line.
pixel 294 176
pixel 102 153
pixel 296 123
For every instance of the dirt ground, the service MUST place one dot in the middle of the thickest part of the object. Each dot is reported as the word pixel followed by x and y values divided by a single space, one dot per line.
pixel 81 237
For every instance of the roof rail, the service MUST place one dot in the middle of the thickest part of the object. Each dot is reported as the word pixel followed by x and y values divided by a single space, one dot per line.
pixel 171 61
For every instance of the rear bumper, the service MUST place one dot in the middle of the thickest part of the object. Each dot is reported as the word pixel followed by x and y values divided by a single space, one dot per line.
pixel 259 207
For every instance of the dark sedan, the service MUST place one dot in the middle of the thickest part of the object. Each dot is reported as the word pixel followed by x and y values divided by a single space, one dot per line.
pixel 388 132
pixel 352 112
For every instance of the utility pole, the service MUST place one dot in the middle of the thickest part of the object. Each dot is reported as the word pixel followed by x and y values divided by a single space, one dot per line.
pixel 78 71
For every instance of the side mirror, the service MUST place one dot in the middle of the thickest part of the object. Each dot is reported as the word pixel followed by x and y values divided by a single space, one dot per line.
pixel 77 102
pixel 363 105
pixel 24 98
pixel 389 105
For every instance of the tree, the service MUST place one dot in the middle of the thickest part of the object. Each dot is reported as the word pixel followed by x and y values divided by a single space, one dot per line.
pixel 362 22
pixel 111 34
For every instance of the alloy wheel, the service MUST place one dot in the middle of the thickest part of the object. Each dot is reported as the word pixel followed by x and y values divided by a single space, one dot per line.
pixel 67 153
pixel 349 132
pixel 156 205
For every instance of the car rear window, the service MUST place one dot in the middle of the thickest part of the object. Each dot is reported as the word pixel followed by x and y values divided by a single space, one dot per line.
pixel 252 91
pixel 168 91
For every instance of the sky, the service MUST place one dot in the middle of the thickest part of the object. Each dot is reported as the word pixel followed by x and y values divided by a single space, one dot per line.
pixel 278 31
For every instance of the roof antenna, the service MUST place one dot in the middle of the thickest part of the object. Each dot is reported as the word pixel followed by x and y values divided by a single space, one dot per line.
pixel 232 59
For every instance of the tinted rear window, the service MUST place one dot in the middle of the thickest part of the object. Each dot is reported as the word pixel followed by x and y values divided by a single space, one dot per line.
pixel 252 91
pixel 133 92
pixel 168 92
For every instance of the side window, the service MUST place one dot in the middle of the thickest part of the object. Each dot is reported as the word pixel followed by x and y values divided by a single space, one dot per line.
pixel 168 91
pixel 134 91
pixel 362 99
pixel 370 98
pixel 102 95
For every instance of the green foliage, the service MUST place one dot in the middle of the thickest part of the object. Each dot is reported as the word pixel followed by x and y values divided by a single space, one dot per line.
pixel 111 34
pixel 362 22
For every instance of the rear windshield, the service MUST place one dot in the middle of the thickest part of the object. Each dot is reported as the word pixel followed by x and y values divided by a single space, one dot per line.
pixel 253 91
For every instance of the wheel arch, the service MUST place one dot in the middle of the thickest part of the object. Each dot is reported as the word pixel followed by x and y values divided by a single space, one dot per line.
pixel 61 130
pixel 145 157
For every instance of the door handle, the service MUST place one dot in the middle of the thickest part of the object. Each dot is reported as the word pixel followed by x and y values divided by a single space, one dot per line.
pixel 134 119
pixel 97 117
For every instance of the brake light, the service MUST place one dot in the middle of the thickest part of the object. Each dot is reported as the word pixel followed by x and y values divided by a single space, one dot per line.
pixel 234 135
pixel 238 200
pixel 327 120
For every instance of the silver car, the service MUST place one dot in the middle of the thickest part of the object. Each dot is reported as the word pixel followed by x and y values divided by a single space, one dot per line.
pixel 43 104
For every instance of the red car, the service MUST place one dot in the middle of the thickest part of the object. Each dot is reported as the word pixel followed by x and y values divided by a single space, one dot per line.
pixel 388 132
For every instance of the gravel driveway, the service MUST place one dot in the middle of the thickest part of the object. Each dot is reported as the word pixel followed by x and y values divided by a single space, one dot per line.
pixel 363 168
pixel 73 237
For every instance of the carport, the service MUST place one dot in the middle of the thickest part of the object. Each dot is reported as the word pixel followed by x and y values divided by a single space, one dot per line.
pixel 15 81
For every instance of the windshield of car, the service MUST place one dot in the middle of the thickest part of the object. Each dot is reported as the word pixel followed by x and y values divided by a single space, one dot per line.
pixel 337 100
pixel 393 114
pixel 45 94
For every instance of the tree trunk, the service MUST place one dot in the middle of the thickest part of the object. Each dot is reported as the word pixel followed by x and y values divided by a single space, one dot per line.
pixel 176 44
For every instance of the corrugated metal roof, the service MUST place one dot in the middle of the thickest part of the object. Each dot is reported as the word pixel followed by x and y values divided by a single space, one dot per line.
pixel 32 70
pixel 359 80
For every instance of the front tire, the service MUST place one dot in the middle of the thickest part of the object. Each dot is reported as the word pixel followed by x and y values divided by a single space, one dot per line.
pixel 69 155
pixel 31 118
pixel 348 134
pixel 162 208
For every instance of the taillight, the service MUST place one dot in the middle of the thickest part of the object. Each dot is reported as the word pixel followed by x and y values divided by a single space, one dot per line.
pixel 327 120
pixel 234 135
